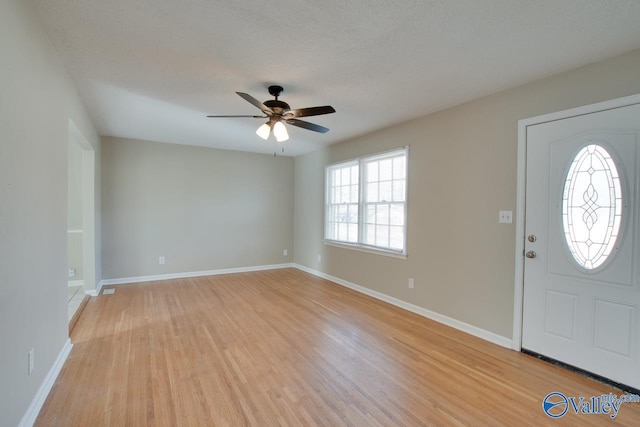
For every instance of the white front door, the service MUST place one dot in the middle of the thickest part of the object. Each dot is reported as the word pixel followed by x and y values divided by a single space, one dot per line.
pixel 582 266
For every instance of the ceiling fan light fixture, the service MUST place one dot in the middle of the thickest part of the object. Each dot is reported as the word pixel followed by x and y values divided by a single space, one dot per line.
pixel 278 113
pixel 264 131
pixel 280 132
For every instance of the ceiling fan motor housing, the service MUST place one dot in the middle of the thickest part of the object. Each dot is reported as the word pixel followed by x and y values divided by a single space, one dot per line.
pixel 278 107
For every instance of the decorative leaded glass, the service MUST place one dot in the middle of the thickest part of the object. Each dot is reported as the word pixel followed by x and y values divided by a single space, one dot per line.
pixel 592 206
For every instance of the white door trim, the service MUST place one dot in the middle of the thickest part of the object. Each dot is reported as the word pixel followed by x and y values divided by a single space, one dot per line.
pixel 521 184
pixel 89 259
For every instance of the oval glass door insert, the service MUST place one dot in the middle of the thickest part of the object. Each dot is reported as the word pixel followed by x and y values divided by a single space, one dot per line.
pixel 592 206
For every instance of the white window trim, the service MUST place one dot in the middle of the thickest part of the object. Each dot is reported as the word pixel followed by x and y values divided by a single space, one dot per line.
pixel 362 247
pixel 366 249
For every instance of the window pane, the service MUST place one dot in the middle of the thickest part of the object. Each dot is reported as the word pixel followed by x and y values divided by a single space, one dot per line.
pixel 336 177
pixel 354 194
pixel 382 235
pixel 330 230
pixel 370 234
pixel 342 213
pixel 397 215
pixel 345 194
pixel 353 214
pixel 342 231
pixel 386 168
pixel 385 192
pixel 399 168
pixel 354 175
pixel 353 233
pixel 398 191
pixel 372 171
pixel 372 192
pixel 383 214
pixel 371 214
pixel 333 213
pixel 346 176
pixel 396 239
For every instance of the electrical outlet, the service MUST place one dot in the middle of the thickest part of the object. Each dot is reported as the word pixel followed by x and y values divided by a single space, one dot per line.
pixel 410 282
pixel 285 252
pixel 72 272
pixel 31 361
pixel 161 260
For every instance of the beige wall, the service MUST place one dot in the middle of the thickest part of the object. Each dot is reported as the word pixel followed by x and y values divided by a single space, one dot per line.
pixel 200 208
pixel 462 171
pixel 37 100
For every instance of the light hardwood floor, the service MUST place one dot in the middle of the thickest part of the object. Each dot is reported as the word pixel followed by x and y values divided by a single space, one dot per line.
pixel 283 347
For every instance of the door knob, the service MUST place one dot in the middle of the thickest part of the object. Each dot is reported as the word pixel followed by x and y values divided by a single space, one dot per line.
pixel 531 254
pixel 532 238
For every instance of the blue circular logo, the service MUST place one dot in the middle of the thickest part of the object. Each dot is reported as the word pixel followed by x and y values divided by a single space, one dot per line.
pixel 555 404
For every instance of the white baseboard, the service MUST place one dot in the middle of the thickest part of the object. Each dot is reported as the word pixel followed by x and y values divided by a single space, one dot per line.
pixel 126 280
pixel 96 292
pixel 41 395
pixel 446 320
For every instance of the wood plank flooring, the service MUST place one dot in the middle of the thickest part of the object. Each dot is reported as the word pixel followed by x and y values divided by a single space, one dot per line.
pixel 282 347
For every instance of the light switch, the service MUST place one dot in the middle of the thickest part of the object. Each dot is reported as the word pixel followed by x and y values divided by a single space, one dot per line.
pixel 505 217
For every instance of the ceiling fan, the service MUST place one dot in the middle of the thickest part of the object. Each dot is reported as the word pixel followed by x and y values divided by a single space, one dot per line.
pixel 278 112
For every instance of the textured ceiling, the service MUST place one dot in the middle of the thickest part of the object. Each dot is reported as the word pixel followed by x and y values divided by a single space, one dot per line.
pixel 152 69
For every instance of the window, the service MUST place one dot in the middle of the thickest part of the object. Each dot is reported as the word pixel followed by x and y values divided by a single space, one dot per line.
pixel 592 206
pixel 343 202
pixel 366 202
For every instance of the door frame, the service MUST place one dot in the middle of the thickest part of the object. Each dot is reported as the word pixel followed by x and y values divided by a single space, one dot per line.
pixel 521 194
pixel 89 259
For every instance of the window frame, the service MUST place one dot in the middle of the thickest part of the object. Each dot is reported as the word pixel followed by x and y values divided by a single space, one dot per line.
pixel 362 163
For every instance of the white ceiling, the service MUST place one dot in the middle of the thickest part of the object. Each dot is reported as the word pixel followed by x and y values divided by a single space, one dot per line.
pixel 153 69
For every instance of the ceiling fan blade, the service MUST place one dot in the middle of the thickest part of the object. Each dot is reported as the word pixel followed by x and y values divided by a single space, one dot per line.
pixel 255 117
pixel 306 125
pixel 311 111
pixel 256 103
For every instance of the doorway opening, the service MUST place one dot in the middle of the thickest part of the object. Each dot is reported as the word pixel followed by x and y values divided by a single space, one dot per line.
pixel 80 220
